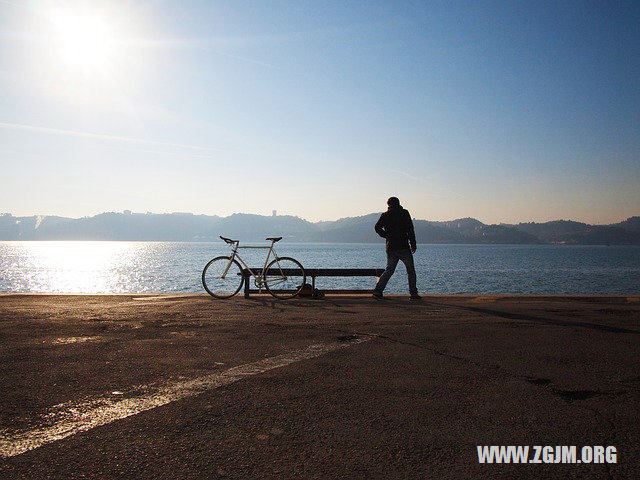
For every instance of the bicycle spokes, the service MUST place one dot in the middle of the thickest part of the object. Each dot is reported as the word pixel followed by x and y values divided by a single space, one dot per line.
pixel 284 277
pixel 222 277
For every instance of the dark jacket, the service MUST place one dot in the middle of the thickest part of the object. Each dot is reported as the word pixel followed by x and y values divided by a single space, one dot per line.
pixel 396 226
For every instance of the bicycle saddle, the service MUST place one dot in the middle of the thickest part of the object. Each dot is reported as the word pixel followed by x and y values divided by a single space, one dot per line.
pixel 274 239
pixel 228 240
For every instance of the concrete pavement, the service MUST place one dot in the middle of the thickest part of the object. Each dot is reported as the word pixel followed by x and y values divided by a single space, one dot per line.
pixel 344 387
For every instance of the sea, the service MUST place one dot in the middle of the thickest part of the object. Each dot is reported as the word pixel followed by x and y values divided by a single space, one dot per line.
pixel 170 267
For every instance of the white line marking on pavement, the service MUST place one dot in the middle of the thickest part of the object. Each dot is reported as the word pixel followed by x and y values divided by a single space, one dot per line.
pixel 68 419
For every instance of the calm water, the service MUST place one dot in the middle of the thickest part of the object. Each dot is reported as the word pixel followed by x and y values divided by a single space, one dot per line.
pixel 92 267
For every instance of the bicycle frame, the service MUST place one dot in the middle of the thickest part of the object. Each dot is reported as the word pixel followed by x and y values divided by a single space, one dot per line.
pixel 282 277
pixel 259 277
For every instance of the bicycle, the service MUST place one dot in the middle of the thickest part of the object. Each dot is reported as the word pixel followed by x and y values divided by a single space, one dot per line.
pixel 283 277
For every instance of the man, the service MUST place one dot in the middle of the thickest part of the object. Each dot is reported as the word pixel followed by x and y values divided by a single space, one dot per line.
pixel 396 227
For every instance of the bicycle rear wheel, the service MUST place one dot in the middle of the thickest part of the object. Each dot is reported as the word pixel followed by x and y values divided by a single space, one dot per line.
pixel 222 277
pixel 284 277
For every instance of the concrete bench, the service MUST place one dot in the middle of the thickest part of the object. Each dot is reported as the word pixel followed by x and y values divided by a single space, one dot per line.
pixel 320 272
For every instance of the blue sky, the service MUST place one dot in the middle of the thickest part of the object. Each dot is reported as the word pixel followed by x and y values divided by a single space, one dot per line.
pixel 503 111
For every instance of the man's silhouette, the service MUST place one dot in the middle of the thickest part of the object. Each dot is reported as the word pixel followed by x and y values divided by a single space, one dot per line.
pixel 396 226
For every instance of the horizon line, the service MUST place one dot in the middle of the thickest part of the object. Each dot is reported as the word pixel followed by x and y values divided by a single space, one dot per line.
pixel 130 212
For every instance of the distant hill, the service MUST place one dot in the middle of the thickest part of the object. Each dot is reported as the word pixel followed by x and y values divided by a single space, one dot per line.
pixel 257 227
pixel 576 233
pixel 603 235
pixel 474 231
pixel 349 230
pixel 631 224
pixel 108 226
pixel 185 227
pixel 552 232
pixel 466 230
pixel 432 232
pixel 468 227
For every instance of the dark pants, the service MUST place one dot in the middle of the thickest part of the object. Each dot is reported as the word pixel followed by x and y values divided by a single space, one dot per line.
pixel 392 261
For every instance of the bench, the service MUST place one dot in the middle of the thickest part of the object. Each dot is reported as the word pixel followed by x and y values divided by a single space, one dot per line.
pixel 321 272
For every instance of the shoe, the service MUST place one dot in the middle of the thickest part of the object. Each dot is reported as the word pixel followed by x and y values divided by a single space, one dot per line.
pixel 415 297
pixel 377 296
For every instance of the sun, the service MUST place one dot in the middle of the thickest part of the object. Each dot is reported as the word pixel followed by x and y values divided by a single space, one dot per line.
pixel 83 41
pixel 88 52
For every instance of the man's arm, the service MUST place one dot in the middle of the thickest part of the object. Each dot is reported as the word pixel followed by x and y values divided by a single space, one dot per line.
pixel 380 227
pixel 411 232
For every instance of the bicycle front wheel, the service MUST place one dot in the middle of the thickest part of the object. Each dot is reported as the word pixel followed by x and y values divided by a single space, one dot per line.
pixel 222 277
pixel 284 277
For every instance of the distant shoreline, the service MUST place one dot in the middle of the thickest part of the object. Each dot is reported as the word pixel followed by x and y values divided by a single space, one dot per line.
pixel 295 242
pixel 180 227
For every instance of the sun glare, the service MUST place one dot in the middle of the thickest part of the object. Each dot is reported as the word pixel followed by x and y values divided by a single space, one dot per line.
pixel 84 41
pixel 81 267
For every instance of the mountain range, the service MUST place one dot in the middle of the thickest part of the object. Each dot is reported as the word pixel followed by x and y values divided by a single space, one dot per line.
pixel 248 227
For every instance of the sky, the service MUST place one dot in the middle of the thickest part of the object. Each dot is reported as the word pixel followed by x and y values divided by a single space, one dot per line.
pixel 507 111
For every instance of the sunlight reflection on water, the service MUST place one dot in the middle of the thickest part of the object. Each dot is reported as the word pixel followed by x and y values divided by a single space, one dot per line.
pixel 87 267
